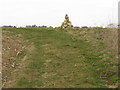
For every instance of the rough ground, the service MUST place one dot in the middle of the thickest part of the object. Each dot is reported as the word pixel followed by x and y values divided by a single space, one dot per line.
pixel 54 58
pixel 12 47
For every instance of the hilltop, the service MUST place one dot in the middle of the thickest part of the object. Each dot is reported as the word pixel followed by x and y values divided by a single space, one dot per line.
pixel 55 58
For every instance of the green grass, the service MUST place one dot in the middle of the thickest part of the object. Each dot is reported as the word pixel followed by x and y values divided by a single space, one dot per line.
pixel 63 60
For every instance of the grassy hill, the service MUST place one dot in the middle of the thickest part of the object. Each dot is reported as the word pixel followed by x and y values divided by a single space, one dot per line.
pixel 55 58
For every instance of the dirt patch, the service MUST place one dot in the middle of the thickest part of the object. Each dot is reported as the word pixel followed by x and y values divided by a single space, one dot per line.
pixel 18 72
pixel 111 86
pixel 12 48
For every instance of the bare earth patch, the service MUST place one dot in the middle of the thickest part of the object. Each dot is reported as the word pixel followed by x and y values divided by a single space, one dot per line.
pixel 12 47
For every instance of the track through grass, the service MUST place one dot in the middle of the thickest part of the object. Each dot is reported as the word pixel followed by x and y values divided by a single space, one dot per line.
pixel 63 59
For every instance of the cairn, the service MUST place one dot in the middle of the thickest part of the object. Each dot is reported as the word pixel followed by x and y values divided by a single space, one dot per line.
pixel 66 23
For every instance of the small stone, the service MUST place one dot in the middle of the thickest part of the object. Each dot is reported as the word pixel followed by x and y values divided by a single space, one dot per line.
pixel 9 48
pixel 15 50
pixel 13 65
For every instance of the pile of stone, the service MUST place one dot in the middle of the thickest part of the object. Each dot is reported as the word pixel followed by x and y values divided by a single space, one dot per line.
pixel 66 23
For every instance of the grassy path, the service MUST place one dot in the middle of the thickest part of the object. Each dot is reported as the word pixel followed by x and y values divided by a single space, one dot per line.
pixel 58 59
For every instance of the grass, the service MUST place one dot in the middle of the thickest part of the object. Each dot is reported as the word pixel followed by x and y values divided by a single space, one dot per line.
pixel 64 59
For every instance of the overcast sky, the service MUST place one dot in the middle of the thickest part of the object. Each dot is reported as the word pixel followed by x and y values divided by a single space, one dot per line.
pixel 52 12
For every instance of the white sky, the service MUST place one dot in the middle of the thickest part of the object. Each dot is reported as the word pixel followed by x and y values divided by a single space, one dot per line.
pixel 52 12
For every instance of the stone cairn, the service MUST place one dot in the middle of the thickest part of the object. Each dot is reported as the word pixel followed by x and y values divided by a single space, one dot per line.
pixel 66 23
